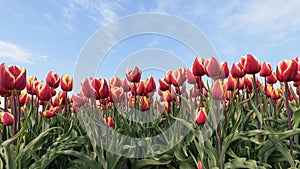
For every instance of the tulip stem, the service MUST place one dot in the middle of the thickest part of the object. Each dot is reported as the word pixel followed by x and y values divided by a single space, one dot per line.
pixel 66 100
pixel 19 112
pixel 106 125
pixel 289 116
pixel 4 127
pixel 15 115
pixel 199 82
pixel 219 133
pixel 256 101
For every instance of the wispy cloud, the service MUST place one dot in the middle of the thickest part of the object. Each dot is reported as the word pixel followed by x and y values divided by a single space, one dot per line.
pixel 18 53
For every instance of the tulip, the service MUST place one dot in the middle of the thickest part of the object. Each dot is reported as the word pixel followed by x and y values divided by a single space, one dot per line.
pixel 6 118
pixel 66 83
pixel 190 77
pixel 198 67
pixel 237 70
pixel 250 64
pixel 125 85
pixel 266 69
pixel 51 112
pixel 213 68
pixel 115 82
pixel 163 85
pixel 272 78
pixel 268 90
pixel 178 77
pixel 29 85
pixel 44 91
pixel 15 77
pixel 286 70
pixel 52 79
pixel 22 98
pixel 224 69
pixel 218 90
pixel 117 94
pixel 103 90
pixel 144 103
pixel 199 165
pixel 276 94
pixel 134 75
pixel 167 96
pixel 150 84
pixel 90 87
pixel 79 100
pixel 141 89
pixel 110 120
pixel 60 98
pixel 231 83
pixel 200 116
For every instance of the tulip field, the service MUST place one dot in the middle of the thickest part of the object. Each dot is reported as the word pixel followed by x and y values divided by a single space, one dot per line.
pixel 207 116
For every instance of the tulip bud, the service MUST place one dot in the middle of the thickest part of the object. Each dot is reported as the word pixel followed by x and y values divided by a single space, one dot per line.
pixel 271 79
pixel 150 84
pixel 286 70
pixel 22 98
pixel 125 85
pixel 44 91
pixel 237 70
pixel 199 165
pixel 276 94
pixel 144 103
pixel 250 64
pixel 231 83
pixel 51 112
pixel 115 82
pixel 198 67
pixel 190 77
pixel 66 83
pixel 266 69
pixel 141 89
pixel 15 77
pixel 79 100
pixel 134 75
pixel 117 94
pixel 213 68
pixel 29 84
pixel 200 116
pixel 52 79
pixel 6 118
pixel 218 90
pixel 178 77
pixel 224 69
pixel 104 90
pixel 110 123
pixel 268 90
pixel 163 85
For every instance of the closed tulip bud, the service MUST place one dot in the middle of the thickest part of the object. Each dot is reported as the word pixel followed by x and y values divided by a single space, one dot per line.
pixel 190 77
pixel 110 120
pixel 237 70
pixel 6 118
pixel 266 69
pixel 199 165
pixel 218 90
pixel 167 96
pixel 66 83
pixel 79 100
pixel 272 78
pixel 167 106
pixel 44 91
pixel 286 70
pixel 22 98
pixel 35 85
pixel 90 88
pixel 117 94
pixel 15 77
pixel 200 116
pixel 250 64
pixel 51 112
pixel 134 75
pixel 141 89
pixel 224 70
pixel 231 83
pixel 242 82
pixel 212 68
pixel 60 98
pixel 125 85
pixel 150 84
pixel 268 90
pixel 115 82
pixel 29 84
pixel 144 103
pixel 276 94
pixel 163 85
pixel 104 90
pixel 52 79
pixel 178 77
pixel 198 67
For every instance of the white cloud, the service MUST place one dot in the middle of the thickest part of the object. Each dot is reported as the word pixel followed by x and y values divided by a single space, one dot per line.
pixel 15 52
pixel 18 53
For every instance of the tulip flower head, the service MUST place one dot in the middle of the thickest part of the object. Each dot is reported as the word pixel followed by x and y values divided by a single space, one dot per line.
pixel 200 116
pixel 237 70
pixel 13 77
pixel 266 69
pixel 250 63
pixel 6 118
pixel 134 75
pixel 286 70
pixel 198 66
pixel 66 83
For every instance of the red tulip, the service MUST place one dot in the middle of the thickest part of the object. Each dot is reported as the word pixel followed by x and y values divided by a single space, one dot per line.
pixel 125 85
pixel 22 98
pixel 237 70
pixel 167 96
pixel 213 68
pixel 286 70
pixel 104 90
pixel 6 118
pixel 141 89
pixel 144 103
pixel 90 88
pixel 198 67
pixel 218 90
pixel 51 112
pixel 224 69
pixel 272 78
pixel 250 64
pixel 242 83
pixel 134 75
pixel 200 116
pixel 190 77
pixel 163 85
pixel 66 83
pixel 52 79
pixel 178 77
pixel 276 94
pixel 150 84
pixel 231 83
pixel 268 90
pixel 266 69
pixel 115 82
pixel 110 123
pixel 60 98
pixel 15 77
pixel 29 84
pixel 117 94
pixel 44 91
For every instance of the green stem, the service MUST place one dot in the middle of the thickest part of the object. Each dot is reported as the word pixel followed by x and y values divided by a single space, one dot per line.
pixel 289 114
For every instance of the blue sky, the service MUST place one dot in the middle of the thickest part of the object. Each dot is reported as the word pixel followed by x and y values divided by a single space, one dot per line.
pixel 49 35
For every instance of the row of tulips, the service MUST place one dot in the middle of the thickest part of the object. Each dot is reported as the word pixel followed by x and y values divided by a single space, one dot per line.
pixel 231 94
